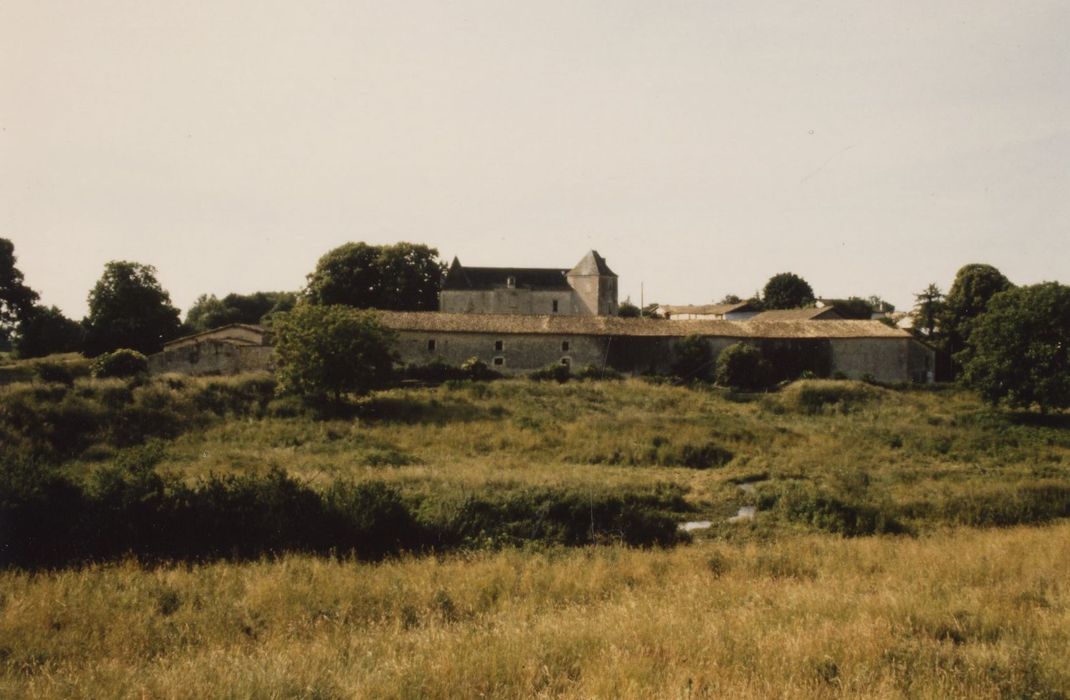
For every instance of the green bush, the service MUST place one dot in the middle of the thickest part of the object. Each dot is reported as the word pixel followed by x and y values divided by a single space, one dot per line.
pixel 692 360
pixel 594 372
pixel 120 363
pixel 556 373
pixel 741 366
pixel 53 372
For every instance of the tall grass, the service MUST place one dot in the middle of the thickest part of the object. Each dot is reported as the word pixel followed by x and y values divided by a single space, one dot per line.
pixel 977 614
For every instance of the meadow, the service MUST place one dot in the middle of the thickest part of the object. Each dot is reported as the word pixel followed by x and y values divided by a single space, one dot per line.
pixel 905 542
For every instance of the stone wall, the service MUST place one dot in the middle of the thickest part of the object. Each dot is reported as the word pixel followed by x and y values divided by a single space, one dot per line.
pixel 212 356
pixel 505 353
pixel 510 301
pixel 884 359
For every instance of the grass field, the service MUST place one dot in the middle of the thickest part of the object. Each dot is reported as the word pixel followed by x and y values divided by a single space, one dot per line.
pixel 871 566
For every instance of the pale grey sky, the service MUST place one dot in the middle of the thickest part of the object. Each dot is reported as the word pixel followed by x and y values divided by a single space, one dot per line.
pixel 700 146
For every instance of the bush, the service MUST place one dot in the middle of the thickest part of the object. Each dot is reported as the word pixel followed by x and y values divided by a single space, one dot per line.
pixel 813 396
pixel 593 372
pixel 120 363
pixel 742 366
pixel 834 513
pixel 692 360
pixel 53 373
pixel 556 372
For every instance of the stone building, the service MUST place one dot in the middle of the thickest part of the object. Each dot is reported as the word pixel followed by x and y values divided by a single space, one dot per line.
pixel 739 311
pixel 517 344
pixel 588 289
pixel 229 349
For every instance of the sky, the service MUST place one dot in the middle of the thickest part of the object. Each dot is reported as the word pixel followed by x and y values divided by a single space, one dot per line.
pixel 701 147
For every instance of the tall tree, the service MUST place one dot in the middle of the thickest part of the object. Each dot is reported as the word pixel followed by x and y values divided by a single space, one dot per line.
pixel 45 331
pixel 211 312
pixel 400 277
pixel 787 291
pixel 928 310
pixel 967 299
pixel 16 299
pixel 1019 349
pixel 129 309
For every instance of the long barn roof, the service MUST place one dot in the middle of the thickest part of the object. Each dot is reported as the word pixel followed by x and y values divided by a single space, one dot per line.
pixel 434 322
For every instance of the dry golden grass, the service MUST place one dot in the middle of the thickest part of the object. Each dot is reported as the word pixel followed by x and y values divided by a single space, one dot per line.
pixel 963 614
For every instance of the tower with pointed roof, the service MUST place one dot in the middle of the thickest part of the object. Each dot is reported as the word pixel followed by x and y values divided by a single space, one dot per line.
pixel 595 285
pixel 588 289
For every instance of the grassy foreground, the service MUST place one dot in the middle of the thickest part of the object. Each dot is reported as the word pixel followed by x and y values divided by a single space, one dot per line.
pixel 970 613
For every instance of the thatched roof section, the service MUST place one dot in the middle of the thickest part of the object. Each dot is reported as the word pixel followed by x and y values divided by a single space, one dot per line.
pixel 432 322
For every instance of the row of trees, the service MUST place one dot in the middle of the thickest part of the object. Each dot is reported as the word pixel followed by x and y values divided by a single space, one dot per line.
pixel 1010 343
pixel 128 308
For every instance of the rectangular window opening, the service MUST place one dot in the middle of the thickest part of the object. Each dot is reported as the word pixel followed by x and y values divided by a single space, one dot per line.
pixel 564 346
pixel 431 345
pixel 555 306
pixel 499 361
pixel 499 345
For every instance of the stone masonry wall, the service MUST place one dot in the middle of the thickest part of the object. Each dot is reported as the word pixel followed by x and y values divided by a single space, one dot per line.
pixel 510 301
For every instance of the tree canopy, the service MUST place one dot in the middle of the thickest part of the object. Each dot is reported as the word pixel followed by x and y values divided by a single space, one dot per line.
pixel 16 299
pixel 787 291
pixel 45 331
pixel 399 277
pixel 129 309
pixel 928 310
pixel 1020 348
pixel 325 352
pixel 968 298
pixel 211 312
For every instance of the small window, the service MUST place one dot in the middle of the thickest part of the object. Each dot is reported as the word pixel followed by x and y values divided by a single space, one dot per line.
pixel 564 346
pixel 510 282
pixel 499 345
pixel 499 361
pixel 566 361
pixel 431 345
pixel 555 306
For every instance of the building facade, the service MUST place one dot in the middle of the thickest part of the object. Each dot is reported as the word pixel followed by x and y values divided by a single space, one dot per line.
pixel 587 289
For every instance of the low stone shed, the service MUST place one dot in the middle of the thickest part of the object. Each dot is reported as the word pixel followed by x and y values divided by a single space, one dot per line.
pixel 516 344
pixel 229 349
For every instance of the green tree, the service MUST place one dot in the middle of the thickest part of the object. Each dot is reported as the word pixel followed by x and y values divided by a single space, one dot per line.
pixel 928 310
pixel 741 366
pixel 16 299
pixel 628 310
pixel 258 308
pixel 692 360
pixel 967 299
pixel 400 277
pixel 325 352
pixel 730 299
pixel 1019 349
pixel 129 309
pixel 787 290
pixel 45 331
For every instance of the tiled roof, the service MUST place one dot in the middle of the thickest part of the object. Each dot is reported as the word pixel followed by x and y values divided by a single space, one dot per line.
pixel 592 264
pixel 827 313
pixel 432 322
pixel 460 277
pixel 221 330
pixel 705 309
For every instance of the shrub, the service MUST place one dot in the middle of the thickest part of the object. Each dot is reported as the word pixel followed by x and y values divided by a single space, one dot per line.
pixel 834 513
pixel 120 363
pixel 477 369
pixel 556 372
pixel 692 360
pixel 591 372
pixel 813 396
pixel 741 366
pixel 53 373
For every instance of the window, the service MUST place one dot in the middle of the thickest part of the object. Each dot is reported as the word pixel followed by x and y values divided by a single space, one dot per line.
pixel 499 361
pixel 555 306
pixel 431 345
pixel 566 361
pixel 510 282
pixel 564 346
pixel 499 345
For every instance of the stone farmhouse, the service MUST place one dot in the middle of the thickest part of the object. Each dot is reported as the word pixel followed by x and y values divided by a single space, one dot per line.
pixel 588 289
pixel 521 319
